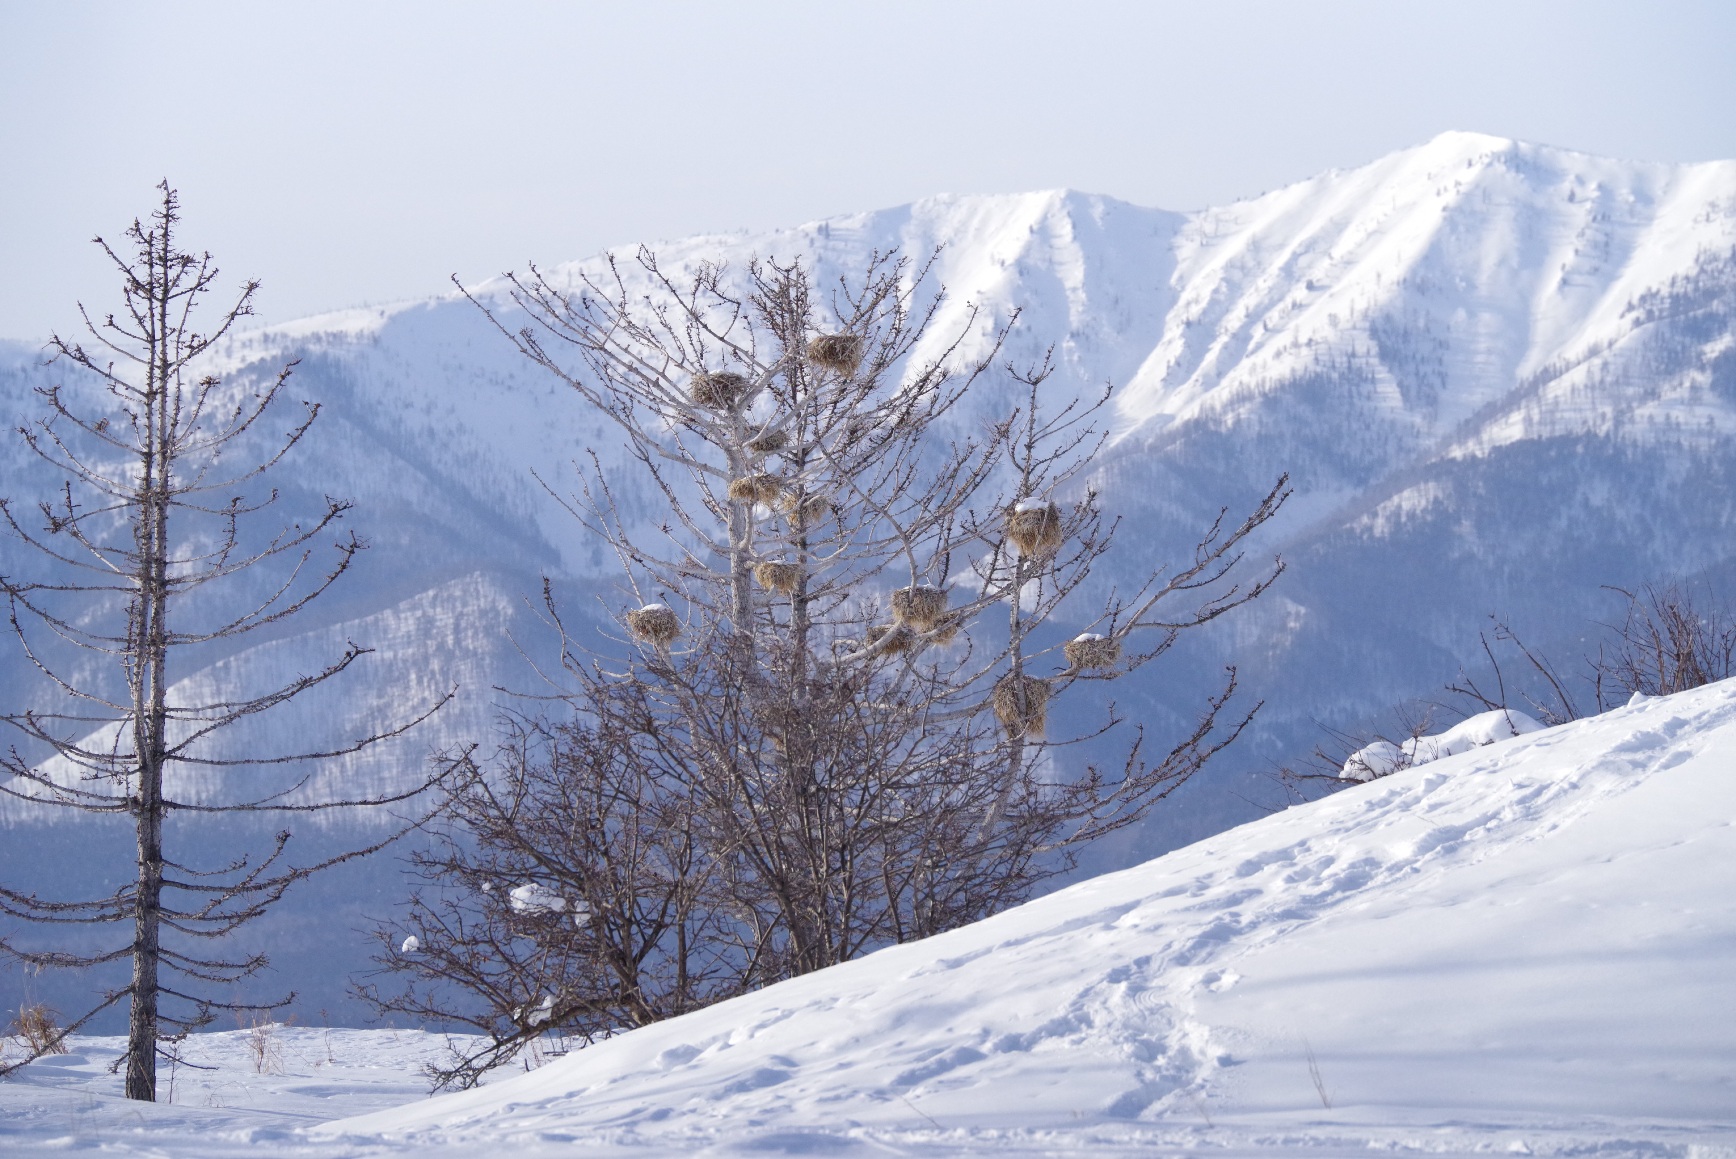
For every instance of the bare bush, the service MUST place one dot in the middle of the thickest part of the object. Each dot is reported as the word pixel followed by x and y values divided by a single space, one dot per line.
pixel 1669 639
pixel 39 1027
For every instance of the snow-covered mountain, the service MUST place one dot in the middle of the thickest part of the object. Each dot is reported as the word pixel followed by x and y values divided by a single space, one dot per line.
pixel 1500 375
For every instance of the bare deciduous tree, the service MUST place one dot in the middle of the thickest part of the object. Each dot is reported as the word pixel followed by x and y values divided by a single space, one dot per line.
pixel 142 549
pixel 840 655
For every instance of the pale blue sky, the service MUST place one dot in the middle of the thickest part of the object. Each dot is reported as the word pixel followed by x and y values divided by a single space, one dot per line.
pixel 359 152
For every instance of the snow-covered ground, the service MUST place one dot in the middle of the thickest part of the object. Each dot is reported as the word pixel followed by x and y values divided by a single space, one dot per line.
pixel 1527 947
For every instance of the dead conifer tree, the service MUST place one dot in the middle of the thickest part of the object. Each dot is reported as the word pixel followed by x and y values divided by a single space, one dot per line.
pixel 142 549
pixel 857 649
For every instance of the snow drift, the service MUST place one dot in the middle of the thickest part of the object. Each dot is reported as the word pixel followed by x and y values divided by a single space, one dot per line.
pixel 1524 946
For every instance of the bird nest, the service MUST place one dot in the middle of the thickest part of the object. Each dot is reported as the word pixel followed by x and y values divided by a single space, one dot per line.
pixel 769 443
pixel 892 638
pixel 946 629
pixel 809 508
pixel 718 389
pixel 919 606
pixel 654 622
pixel 759 488
pixel 777 576
pixel 1022 704
pixel 839 352
pixel 1035 528
pixel 1091 651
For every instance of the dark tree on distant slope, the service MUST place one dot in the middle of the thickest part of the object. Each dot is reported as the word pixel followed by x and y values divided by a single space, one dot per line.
pixel 158 501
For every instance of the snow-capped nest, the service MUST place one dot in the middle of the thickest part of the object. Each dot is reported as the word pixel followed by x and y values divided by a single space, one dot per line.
pixel 1022 704
pixel 759 488
pixel 718 389
pixel 654 622
pixel 897 638
pixel 920 606
pixel 1090 650
pixel 769 443
pixel 1034 526
pixel 777 576
pixel 839 352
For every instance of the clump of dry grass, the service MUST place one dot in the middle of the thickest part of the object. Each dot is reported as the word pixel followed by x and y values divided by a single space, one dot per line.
pixel 1091 651
pixel 262 1044
pixel 39 1027
pixel 1022 704
pixel 654 622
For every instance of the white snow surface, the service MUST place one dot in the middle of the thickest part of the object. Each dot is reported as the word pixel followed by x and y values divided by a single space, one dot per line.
pixel 1525 947
pixel 1383 757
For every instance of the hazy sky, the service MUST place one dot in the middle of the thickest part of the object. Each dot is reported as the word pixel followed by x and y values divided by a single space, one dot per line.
pixel 358 152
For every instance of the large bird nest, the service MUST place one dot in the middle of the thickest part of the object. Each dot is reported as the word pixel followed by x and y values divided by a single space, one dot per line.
pixel 1091 651
pixel 1034 526
pixel 1022 704
pixel 809 508
pixel 718 389
pixel 769 443
pixel 839 352
pixel 777 576
pixel 892 638
pixel 920 606
pixel 655 623
pixel 759 488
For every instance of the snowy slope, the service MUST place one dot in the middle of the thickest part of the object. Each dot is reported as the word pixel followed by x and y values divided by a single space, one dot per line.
pixel 1522 948
pixel 1528 943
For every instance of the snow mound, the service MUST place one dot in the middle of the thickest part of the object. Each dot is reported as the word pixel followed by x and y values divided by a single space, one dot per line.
pixel 1520 947
pixel 1486 728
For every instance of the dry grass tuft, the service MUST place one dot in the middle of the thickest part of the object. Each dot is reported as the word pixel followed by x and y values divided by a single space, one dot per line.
pixel 654 622
pixel 1091 651
pixel 38 1027
pixel 1035 529
pixel 920 606
pixel 718 389
pixel 839 352
pixel 1022 704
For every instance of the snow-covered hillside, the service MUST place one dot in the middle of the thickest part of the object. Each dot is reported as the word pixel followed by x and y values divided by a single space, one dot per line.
pixel 1500 375
pixel 1520 948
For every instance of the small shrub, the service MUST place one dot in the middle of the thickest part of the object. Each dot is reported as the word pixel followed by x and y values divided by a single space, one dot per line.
pixel 38 1027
